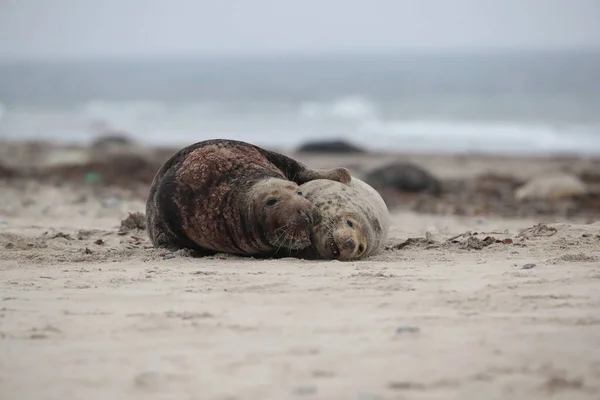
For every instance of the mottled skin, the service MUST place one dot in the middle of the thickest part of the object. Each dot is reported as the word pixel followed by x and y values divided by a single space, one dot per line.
pixel 351 221
pixel 232 197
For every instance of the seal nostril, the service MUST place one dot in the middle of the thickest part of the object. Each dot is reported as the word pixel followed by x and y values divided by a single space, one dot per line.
pixel 351 245
pixel 306 216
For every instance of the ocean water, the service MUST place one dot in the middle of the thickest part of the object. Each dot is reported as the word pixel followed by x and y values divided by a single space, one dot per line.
pixel 500 103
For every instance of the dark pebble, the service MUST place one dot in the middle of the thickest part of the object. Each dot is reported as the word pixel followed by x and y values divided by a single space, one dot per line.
pixel 408 329
pixel 528 266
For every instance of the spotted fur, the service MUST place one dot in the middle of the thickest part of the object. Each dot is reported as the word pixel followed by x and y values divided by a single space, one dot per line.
pixel 352 217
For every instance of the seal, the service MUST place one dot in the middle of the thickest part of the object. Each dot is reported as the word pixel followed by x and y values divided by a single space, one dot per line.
pixel 351 221
pixel 228 196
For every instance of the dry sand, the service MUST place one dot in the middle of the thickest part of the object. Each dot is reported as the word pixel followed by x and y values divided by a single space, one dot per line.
pixel 87 312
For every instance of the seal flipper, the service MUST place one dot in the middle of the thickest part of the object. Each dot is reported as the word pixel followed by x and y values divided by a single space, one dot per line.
pixel 300 173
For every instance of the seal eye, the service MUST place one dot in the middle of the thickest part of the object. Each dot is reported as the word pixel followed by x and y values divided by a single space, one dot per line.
pixel 271 202
pixel 361 248
pixel 299 193
pixel 349 223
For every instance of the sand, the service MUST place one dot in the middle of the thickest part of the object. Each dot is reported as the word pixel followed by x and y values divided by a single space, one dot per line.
pixel 89 311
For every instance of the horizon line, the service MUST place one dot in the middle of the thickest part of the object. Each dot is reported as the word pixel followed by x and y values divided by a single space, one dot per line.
pixel 460 51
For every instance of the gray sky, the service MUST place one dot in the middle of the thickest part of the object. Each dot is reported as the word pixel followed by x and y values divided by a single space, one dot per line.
pixel 154 27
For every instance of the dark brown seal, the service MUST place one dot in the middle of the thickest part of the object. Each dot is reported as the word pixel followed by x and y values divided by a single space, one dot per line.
pixel 232 197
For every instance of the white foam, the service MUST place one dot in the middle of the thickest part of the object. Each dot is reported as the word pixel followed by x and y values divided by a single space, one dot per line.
pixel 468 136
pixel 350 108
pixel 281 125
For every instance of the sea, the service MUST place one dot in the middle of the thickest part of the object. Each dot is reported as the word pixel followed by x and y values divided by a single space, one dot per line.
pixel 489 102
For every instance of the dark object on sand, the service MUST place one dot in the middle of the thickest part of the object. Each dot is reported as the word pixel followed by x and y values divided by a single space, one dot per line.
pixel 404 177
pixel 7 172
pixel 122 170
pixel 330 146
pixel 113 139
pixel 134 221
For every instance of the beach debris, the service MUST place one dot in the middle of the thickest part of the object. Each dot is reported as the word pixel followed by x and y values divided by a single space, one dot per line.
pixel 528 266
pixel 203 273
pixel 62 235
pixel 7 172
pixel 169 256
pixel 551 187
pixel 410 242
pixel 88 251
pixel 84 234
pixel 558 383
pixel 92 177
pixel 330 146
pixel 466 241
pixel 538 230
pixel 99 242
pixel 134 221
pixel 403 177
pixel 402 385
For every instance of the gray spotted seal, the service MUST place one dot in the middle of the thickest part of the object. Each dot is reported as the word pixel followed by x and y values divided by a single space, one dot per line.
pixel 227 196
pixel 351 221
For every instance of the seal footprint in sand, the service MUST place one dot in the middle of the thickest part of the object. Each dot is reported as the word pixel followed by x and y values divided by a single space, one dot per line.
pixel 232 197
pixel 351 221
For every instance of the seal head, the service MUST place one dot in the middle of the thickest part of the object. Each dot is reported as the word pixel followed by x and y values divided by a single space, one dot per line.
pixel 351 221
pixel 281 212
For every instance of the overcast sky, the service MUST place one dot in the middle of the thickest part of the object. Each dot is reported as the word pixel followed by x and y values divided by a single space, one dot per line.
pixel 155 27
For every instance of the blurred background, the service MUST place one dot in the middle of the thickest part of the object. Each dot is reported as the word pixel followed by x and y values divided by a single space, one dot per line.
pixel 506 76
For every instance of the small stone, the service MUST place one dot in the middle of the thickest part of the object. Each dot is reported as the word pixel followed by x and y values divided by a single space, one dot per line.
pixel 111 202
pixel 38 336
pixel 528 266
pixel 99 242
pixel 407 329
pixel 507 241
pixel 88 251
pixel 305 390
pixel 169 256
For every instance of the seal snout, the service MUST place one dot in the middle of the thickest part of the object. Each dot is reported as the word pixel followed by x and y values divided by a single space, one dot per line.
pixel 350 244
pixel 307 216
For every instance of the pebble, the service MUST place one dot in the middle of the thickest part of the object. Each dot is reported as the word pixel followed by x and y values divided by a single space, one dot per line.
pixel 528 266
pixel 111 202
pixel 408 329
pixel 305 390
pixel 169 256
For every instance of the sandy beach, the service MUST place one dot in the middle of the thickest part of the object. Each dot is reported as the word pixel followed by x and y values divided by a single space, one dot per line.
pixel 474 297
